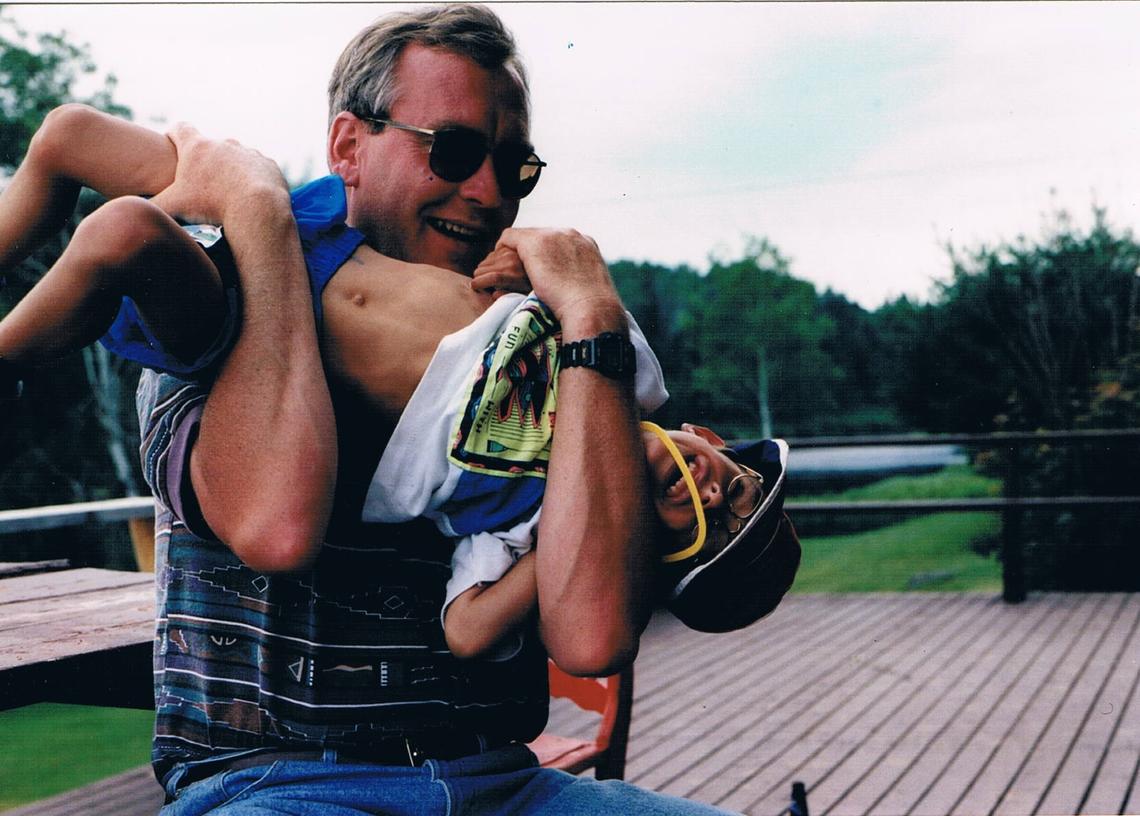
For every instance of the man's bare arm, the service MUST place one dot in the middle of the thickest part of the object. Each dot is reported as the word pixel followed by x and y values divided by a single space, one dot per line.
pixel 264 465
pixel 592 563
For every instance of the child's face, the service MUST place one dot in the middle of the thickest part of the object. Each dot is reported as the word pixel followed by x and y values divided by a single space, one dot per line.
pixel 712 471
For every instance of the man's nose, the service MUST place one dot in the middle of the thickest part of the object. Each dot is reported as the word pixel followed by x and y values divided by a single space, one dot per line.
pixel 483 188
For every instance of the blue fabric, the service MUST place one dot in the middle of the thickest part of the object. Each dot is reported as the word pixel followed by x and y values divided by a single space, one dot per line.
pixel 320 208
pixel 131 338
pixel 505 781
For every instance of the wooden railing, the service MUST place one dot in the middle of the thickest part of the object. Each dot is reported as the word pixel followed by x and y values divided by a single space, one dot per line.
pixel 1012 504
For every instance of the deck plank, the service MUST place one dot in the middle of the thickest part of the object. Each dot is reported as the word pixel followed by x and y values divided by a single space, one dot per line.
pixel 695 728
pixel 1109 791
pixel 994 712
pixel 838 745
pixel 909 732
pixel 917 761
pixel 756 681
pixel 1051 680
pixel 1042 771
pixel 824 706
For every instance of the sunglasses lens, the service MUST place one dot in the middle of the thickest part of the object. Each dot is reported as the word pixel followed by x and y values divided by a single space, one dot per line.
pixel 456 154
pixel 517 169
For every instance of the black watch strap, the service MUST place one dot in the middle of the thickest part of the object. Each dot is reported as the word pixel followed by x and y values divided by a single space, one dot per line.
pixel 610 353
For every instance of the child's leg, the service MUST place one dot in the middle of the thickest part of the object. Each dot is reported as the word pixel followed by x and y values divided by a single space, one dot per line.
pixel 77 146
pixel 128 247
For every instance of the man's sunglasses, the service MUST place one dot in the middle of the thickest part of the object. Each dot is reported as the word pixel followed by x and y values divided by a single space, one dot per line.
pixel 457 153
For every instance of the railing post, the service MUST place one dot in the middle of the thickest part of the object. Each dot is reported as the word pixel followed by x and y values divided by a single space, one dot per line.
pixel 1012 554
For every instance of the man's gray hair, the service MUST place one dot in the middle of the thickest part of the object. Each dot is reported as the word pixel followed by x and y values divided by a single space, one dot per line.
pixel 364 79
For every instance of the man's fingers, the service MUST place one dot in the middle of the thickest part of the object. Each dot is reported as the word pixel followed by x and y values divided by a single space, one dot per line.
pixel 182 133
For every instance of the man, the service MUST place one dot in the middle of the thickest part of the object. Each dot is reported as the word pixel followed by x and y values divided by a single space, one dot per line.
pixel 300 666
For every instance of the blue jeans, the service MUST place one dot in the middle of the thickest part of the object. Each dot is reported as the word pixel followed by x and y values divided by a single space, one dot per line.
pixel 504 781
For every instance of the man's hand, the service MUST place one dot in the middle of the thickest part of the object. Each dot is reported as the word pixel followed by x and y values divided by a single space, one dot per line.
pixel 568 274
pixel 215 179
pixel 501 272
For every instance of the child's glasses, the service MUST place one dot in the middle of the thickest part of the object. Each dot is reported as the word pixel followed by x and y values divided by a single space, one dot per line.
pixel 743 496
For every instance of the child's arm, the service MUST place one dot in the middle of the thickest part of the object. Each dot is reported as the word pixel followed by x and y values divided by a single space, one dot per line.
pixel 77 146
pixel 481 616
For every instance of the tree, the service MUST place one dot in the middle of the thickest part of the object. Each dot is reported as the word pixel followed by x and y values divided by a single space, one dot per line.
pixel 34 79
pixel 741 346
pixel 764 370
pixel 1045 335
pixel 69 439
pixel 1022 329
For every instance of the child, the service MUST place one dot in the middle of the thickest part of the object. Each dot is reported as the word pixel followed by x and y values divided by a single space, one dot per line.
pixel 132 273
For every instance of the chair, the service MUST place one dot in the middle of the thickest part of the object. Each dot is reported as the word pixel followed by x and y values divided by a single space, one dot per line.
pixel 612 697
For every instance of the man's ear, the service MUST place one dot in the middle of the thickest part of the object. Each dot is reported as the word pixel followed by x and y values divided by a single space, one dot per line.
pixel 344 142
pixel 707 434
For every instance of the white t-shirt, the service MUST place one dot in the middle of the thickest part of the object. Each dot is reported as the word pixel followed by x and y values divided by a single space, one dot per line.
pixel 470 449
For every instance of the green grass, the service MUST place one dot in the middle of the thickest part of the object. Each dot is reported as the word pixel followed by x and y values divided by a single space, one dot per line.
pixel 928 553
pixel 924 553
pixel 47 749
pixel 954 482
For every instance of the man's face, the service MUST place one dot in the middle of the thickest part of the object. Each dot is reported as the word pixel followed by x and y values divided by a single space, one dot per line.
pixel 404 209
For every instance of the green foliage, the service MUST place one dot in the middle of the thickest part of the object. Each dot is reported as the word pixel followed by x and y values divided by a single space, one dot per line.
pixel 1022 329
pixel 1044 336
pixel 751 350
pixel 741 346
pixel 874 353
pixel 60 445
pixel 37 77
pixel 935 552
pixel 47 749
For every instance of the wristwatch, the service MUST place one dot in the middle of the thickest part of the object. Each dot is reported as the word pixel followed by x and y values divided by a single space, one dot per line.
pixel 610 353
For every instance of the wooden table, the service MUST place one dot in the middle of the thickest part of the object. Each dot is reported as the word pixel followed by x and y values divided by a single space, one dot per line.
pixel 77 636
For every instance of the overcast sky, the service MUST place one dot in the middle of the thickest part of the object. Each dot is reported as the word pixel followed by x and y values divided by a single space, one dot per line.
pixel 859 138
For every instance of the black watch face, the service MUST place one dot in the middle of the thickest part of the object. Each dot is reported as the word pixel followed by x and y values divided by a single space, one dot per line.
pixel 615 355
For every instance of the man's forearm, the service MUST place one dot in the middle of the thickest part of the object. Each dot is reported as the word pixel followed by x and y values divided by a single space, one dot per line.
pixel 264 466
pixel 593 556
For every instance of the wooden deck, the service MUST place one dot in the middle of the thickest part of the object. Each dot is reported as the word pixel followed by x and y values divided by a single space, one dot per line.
pixel 884 704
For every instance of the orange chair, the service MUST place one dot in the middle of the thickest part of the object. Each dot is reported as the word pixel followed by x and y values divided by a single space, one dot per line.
pixel 612 697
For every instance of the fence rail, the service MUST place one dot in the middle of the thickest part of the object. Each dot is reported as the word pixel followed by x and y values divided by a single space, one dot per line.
pixel 27 519
pixel 1012 504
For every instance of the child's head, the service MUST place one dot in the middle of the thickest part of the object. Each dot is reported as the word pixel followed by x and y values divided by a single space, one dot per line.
pixel 729 553
pixel 729 492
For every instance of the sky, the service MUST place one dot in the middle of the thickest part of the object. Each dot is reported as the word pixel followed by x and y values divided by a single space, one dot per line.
pixel 859 138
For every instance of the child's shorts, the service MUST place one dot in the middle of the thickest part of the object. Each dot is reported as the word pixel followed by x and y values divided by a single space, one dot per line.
pixel 319 208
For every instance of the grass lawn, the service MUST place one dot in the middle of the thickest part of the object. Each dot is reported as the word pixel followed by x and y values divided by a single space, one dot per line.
pixel 928 553
pixel 46 749
pixel 924 553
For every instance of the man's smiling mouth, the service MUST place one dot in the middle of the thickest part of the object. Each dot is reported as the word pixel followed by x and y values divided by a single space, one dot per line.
pixel 459 232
